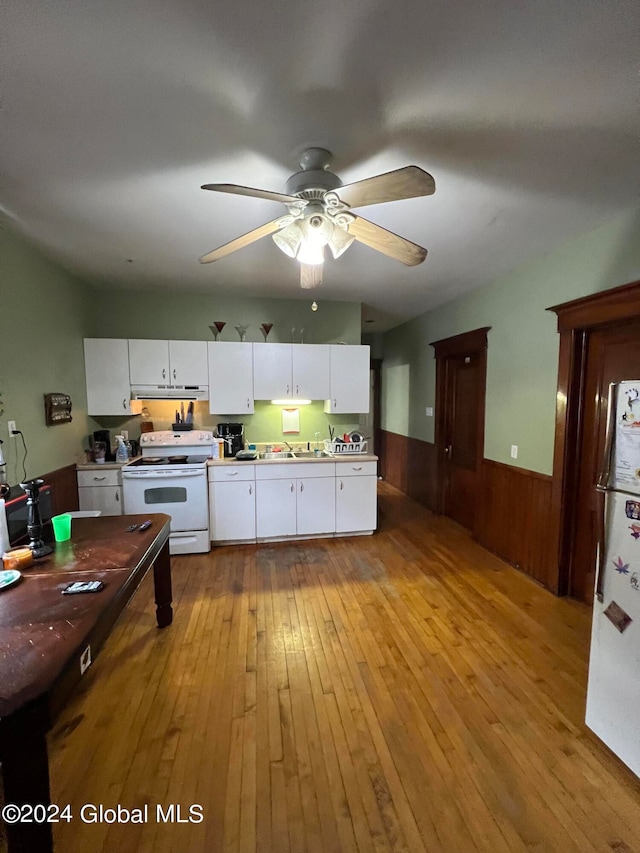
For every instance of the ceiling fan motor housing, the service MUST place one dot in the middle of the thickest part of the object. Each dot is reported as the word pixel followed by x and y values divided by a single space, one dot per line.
pixel 315 179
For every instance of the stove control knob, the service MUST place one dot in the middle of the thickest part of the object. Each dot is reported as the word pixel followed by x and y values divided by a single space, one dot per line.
pixel 152 438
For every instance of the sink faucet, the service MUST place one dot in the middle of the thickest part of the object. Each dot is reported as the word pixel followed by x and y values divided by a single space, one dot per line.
pixel 288 445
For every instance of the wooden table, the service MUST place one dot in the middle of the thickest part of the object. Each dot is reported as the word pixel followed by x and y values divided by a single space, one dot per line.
pixel 48 640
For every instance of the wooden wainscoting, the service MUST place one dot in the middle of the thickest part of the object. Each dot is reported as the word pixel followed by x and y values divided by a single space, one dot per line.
pixel 64 489
pixel 410 465
pixel 515 520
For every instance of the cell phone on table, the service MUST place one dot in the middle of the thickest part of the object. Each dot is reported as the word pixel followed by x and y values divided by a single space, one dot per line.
pixel 83 586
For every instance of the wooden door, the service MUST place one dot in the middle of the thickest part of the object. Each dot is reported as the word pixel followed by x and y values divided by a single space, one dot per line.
pixel 613 354
pixel 460 403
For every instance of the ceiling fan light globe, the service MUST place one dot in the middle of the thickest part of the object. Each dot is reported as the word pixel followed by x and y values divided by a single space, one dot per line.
pixel 311 253
pixel 340 241
pixel 288 240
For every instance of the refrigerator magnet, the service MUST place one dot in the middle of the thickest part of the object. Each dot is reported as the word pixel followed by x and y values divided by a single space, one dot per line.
pixel 617 616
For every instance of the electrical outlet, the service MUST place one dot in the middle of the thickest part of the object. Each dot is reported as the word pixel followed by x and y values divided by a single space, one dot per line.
pixel 11 426
pixel 429 411
pixel 514 451
pixel 125 434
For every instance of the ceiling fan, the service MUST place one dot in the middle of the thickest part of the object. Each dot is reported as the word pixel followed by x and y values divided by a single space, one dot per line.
pixel 319 215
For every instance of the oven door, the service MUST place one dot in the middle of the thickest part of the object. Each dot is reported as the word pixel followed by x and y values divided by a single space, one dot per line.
pixel 180 493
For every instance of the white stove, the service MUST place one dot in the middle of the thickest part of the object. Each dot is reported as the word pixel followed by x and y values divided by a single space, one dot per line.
pixel 171 477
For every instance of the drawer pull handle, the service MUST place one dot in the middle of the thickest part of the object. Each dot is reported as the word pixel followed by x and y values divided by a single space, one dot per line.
pixel 341 485
pixel 232 473
pixel 174 373
pixel 118 496
pixel 292 487
pixel 124 404
pixel 302 487
pixel 99 478
pixel 357 467
pixel 250 490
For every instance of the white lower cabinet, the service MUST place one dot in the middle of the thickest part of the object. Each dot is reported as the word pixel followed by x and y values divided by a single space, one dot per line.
pixel 356 497
pixel 295 500
pixel 286 500
pixel 232 503
pixel 275 508
pixel 100 489
pixel 315 505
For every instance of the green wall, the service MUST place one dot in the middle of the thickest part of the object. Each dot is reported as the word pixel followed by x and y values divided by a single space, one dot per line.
pixel 264 426
pixel 184 315
pixel 523 345
pixel 44 311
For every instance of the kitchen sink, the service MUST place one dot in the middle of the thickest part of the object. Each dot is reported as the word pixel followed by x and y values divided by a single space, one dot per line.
pixel 276 454
pixel 310 454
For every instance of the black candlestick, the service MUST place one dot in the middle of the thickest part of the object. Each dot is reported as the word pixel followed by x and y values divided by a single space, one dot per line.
pixel 34 521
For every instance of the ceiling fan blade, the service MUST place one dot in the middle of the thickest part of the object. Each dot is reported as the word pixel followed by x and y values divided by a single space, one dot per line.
pixel 310 275
pixel 236 189
pixel 241 242
pixel 387 242
pixel 408 182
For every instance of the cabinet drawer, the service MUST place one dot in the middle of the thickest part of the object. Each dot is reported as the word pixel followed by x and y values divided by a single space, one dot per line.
pixel 356 469
pixel 108 477
pixel 231 473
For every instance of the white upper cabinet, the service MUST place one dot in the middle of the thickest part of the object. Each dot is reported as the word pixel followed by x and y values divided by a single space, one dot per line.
pixel 349 380
pixel 188 362
pixel 291 371
pixel 106 362
pixel 311 371
pixel 168 362
pixel 272 375
pixel 230 378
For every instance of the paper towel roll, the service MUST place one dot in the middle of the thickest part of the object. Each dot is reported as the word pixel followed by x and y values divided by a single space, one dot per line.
pixel 5 544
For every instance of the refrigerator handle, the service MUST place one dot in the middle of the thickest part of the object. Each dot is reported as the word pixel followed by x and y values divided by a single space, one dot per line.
pixel 601 510
pixel 605 469
pixel 602 487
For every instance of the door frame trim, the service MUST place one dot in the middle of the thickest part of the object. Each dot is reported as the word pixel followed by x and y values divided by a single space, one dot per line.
pixel 577 319
pixel 457 346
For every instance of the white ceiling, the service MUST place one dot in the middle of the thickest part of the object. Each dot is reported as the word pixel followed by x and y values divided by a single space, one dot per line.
pixel 114 113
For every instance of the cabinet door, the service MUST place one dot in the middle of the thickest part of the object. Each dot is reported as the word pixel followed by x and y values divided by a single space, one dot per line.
pixel 275 508
pixel 349 379
pixel 233 511
pixel 272 378
pixel 311 371
pixel 149 362
pixel 356 504
pixel 188 362
pixel 106 364
pixel 108 499
pixel 316 505
pixel 230 378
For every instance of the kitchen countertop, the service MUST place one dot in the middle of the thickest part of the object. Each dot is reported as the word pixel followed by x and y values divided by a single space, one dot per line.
pixel 338 457
pixel 105 466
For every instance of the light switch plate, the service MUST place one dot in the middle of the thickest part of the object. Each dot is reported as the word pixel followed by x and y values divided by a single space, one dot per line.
pixel 514 451
pixel 429 411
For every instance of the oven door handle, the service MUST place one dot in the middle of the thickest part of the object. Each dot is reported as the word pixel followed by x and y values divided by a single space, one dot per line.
pixel 131 475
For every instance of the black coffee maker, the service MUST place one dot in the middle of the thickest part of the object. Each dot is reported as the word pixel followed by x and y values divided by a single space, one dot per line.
pixel 105 435
pixel 233 436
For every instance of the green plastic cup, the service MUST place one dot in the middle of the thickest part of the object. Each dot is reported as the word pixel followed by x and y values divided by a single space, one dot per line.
pixel 61 527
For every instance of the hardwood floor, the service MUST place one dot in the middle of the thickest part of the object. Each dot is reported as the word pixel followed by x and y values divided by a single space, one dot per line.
pixel 406 691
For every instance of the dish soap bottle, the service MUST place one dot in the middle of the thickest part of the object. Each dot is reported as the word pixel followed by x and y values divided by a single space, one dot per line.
pixel 121 450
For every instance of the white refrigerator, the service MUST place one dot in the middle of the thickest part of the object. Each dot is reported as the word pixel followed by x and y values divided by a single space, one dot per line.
pixel 613 692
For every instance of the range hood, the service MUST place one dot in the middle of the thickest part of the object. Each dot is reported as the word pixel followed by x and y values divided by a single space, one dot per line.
pixel 169 392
